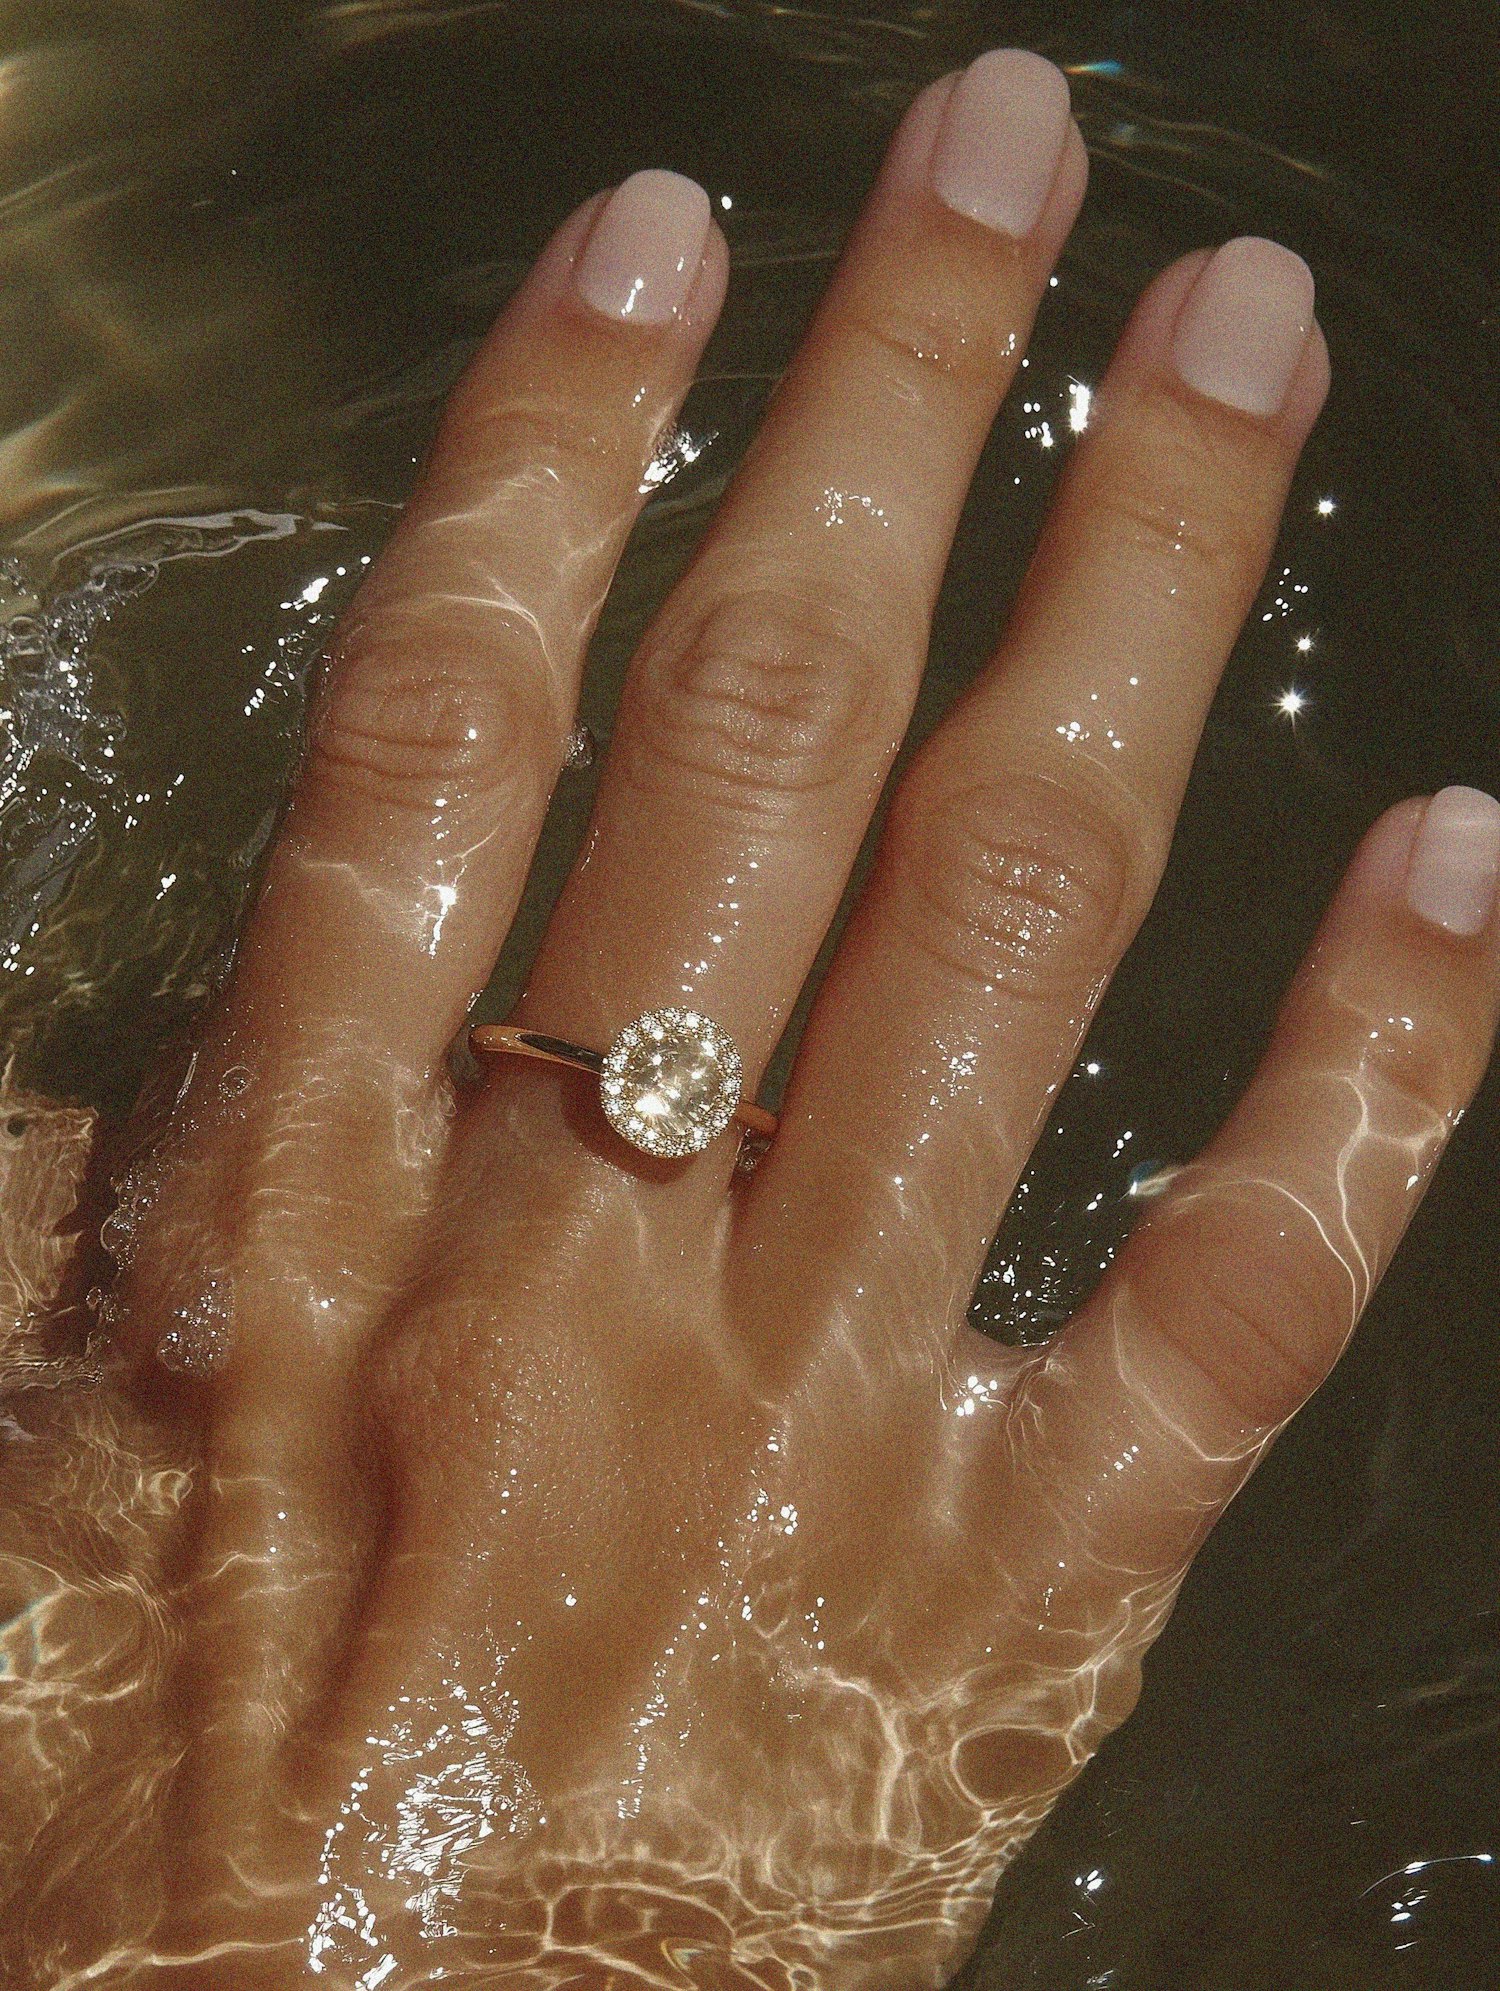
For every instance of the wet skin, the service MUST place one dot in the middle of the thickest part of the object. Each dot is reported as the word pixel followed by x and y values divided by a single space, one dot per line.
pixel 509 1559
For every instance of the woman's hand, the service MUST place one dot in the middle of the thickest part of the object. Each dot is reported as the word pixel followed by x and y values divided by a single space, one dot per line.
pixel 489 1555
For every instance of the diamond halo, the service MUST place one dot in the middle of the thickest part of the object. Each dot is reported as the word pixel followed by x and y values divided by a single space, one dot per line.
pixel 671 1082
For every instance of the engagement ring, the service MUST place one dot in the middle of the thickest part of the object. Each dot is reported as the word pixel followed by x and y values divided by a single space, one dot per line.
pixel 670 1083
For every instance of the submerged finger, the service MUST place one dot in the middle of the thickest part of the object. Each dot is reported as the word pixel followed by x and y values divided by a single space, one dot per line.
pixel 451 686
pixel 761 714
pixel 264 1238
pixel 1027 837
pixel 1235 1298
pixel 440 728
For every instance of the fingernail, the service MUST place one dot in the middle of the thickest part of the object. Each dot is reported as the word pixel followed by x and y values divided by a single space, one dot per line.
pixel 1244 324
pixel 1001 139
pixel 642 259
pixel 1455 861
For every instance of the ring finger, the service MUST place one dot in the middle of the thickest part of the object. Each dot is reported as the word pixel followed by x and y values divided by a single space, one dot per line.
pixel 760 716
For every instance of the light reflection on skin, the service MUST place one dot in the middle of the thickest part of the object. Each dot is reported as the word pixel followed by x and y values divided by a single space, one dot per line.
pixel 443 1834
pixel 713 1665
pixel 929 1731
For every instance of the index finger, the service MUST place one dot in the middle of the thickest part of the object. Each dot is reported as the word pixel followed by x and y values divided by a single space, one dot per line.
pixel 452 683
pixel 1236 1297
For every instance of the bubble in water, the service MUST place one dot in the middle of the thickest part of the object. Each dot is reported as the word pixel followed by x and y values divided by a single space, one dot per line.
pixel 199 1340
pixel 135 1193
pixel 235 1083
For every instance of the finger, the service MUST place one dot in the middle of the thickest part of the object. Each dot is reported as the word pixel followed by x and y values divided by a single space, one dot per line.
pixel 452 684
pixel 760 717
pixel 1233 1301
pixel 248 1250
pixel 1027 838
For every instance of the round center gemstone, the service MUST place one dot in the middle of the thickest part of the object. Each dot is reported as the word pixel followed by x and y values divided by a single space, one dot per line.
pixel 671 1082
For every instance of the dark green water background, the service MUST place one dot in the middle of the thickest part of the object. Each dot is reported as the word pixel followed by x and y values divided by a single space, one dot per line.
pixel 243 251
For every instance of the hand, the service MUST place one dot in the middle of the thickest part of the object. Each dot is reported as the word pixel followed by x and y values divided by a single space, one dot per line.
pixel 489 1555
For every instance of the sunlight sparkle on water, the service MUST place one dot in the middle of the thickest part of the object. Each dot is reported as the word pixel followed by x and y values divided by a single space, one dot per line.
pixel 1292 702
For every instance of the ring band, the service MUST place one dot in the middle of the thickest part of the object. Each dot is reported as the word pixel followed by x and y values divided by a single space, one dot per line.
pixel 670 1083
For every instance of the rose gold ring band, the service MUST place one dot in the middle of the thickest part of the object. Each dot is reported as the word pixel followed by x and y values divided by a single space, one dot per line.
pixel 653 1041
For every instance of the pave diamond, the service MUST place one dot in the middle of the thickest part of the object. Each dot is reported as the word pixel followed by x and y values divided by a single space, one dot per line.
pixel 671 1082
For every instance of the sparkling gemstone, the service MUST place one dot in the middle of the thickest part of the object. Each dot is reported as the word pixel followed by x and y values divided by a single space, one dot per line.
pixel 671 1082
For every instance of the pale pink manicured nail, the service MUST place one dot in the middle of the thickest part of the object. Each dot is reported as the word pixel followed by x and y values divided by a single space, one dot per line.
pixel 1455 861
pixel 641 261
pixel 1244 323
pixel 1001 139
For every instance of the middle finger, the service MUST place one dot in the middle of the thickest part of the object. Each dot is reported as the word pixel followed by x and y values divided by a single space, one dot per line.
pixel 760 717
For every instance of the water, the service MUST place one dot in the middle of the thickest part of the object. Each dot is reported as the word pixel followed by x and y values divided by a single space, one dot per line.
pixel 244 252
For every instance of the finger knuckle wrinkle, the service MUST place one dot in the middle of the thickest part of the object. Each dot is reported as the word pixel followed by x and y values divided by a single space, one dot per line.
pixel 1178 522
pixel 1021 888
pixel 1414 1065
pixel 404 735
pixel 1409 1071
pixel 509 438
pixel 936 341
pixel 1261 1335
pixel 758 700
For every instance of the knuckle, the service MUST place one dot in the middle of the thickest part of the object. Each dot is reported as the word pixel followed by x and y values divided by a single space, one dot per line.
pixel 1414 1063
pixel 934 341
pixel 1178 507
pixel 1409 1071
pixel 508 439
pixel 1261 1323
pixel 1022 888
pixel 759 699
pixel 402 734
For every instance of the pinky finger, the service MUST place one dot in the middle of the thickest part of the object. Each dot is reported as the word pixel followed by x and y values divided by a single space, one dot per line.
pixel 1235 1298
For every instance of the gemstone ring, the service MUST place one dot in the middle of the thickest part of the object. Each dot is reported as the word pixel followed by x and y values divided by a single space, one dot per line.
pixel 670 1083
